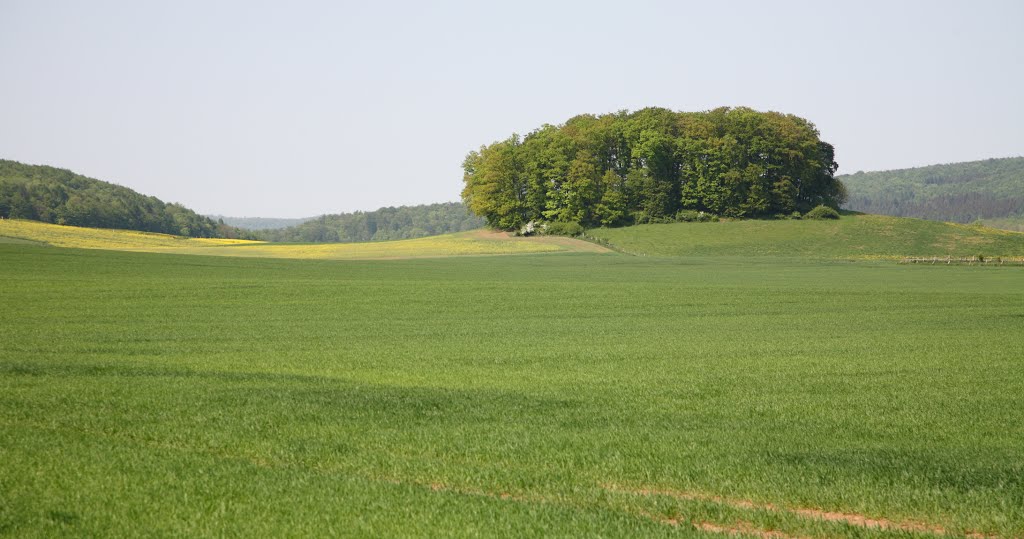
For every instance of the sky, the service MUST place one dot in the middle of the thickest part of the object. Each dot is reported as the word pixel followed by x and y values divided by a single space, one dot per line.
pixel 299 108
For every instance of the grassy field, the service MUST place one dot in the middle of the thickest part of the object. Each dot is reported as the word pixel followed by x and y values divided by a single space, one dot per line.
pixel 475 242
pixel 852 237
pixel 573 394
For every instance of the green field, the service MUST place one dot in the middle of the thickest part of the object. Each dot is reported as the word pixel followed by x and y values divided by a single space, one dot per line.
pixel 853 237
pixel 564 394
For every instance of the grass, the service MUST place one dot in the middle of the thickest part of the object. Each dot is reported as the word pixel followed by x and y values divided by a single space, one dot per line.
pixel 578 394
pixel 462 243
pixel 854 236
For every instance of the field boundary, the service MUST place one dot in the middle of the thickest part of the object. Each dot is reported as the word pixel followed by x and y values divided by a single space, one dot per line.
pixel 607 244
pixel 964 260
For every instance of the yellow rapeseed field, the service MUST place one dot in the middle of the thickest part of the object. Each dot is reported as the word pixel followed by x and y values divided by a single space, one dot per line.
pixel 476 242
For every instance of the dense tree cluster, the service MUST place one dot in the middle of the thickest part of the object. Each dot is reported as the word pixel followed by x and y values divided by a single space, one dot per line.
pixel 649 165
pixel 54 195
pixel 958 192
pixel 384 224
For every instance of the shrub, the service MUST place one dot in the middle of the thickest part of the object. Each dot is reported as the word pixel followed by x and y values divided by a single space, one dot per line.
pixel 693 216
pixel 559 228
pixel 795 216
pixel 641 217
pixel 822 212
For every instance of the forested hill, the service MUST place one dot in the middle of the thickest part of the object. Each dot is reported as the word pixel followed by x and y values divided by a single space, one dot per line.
pixel 960 192
pixel 59 196
pixel 261 223
pixel 404 222
pixel 648 166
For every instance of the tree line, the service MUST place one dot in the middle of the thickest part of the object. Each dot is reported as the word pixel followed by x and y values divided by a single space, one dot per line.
pixel 650 165
pixel 389 223
pixel 59 196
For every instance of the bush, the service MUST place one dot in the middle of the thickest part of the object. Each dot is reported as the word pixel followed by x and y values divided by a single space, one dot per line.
pixel 643 218
pixel 822 212
pixel 693 216
pixel 559 228
pixel 795 216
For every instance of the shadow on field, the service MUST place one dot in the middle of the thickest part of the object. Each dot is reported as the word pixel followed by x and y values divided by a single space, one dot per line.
pixel 282 397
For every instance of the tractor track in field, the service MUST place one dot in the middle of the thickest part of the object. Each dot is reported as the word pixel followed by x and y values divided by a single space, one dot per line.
pixel 852 519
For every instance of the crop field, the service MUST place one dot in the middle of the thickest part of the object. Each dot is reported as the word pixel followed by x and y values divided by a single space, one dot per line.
pixel 547 394
pixel 462 243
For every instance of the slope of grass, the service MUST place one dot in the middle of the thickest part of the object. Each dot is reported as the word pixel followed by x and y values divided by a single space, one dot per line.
pixel 851 237
pixel 464 243
pixel 505 396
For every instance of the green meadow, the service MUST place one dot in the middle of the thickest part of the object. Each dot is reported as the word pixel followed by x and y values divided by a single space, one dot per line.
pixel 853 237
pixel 566 394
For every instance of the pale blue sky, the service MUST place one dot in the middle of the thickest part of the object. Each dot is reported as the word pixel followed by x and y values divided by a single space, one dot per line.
pixel 300 108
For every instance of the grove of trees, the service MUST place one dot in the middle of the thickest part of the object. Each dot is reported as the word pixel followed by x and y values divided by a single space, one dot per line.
pixel 649 165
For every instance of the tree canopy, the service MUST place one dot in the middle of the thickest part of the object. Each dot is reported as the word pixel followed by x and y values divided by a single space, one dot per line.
pixel 59 196
pixel 648 165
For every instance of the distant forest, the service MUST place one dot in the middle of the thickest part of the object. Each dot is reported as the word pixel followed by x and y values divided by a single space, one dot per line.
pixel 991 191
pixel 260 223
pixel 399 223
pixel 650 165
pixel 55 195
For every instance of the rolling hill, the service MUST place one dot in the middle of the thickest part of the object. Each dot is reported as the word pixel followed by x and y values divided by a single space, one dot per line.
pixel 990 191
pixel 55 195
pixel 854 236
pixel 477 242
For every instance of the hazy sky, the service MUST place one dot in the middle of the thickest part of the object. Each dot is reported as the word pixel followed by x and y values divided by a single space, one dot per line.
pixel 297 108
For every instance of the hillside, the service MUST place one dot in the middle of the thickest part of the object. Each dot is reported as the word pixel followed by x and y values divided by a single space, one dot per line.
pixel 401 223
pixel 54 195
pixel 990 190
pixel 855 236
